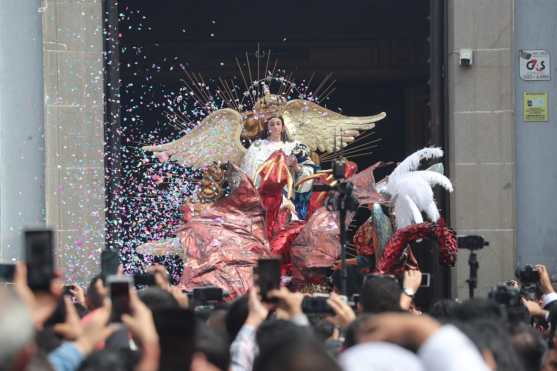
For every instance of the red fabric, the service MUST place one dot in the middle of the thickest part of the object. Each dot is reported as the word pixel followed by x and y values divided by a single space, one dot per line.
pixel 223 242
pixel 282 241
pixel 273 178
pixel 391 261
pixel 365 239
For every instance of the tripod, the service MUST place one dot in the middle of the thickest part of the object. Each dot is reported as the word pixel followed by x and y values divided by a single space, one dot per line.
pixel 472 280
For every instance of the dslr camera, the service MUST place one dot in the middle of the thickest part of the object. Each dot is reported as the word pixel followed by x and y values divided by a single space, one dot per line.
pixel 527 275
pixel 505 295
pixel 529 278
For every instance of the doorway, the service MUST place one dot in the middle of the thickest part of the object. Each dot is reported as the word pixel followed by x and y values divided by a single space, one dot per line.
pixel 383 55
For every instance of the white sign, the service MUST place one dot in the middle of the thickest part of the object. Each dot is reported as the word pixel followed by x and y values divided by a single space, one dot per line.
pixel 534 65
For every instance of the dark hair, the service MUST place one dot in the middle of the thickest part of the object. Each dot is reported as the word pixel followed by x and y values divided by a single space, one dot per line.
pixel 156 298
pixel 351 333
pixel 529 346
pixel 213 346
pixel 265 132
pixel 301 354
pixel 273 333
pixel 380 294
pixel 491 335
pixel 236 316
pixel 442 310
pixel 111 359
pixel 478 308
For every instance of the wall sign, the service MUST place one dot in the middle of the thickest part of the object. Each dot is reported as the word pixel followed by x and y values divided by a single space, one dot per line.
pixel 535 65
pixel 535 107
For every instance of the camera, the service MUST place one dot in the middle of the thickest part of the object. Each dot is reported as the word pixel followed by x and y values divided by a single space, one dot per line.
pixel 316 304
pixel 529 278
pixel 505 295
pixel 466 57
pixel 471 242
pixel 527 275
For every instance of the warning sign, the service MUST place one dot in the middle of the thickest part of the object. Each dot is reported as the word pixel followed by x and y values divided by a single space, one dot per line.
pixel 534 65
pixel 535 107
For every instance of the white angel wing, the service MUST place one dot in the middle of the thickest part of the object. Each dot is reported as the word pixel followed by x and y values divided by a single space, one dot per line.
pixel 216 138
pixel 406 212
pixel 412 162
pixel 320 128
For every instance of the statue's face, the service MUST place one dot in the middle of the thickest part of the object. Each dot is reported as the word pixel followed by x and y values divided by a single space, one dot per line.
pixel 275 128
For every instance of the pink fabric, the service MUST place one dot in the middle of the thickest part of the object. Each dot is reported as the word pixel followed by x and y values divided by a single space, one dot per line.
pixel 223 242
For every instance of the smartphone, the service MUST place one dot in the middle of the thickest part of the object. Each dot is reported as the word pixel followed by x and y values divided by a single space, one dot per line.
pixel 268 276
pixel 7 272
pixel 209 294
pixel 39 255
pixel 144 279
pixel 316 304
pixel 426 280
pixel 110 261
pixel 119 288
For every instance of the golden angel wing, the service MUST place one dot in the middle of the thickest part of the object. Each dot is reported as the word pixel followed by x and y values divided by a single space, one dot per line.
pixel 320 128
pixel 216 138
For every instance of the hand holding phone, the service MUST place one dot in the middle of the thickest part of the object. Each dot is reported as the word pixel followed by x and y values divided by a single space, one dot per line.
pixel 110 261
pixel 39 255
pixel 119 288
pixel 268 276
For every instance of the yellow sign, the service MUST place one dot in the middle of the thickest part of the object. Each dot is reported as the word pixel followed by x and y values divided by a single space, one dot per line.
pixel 535 107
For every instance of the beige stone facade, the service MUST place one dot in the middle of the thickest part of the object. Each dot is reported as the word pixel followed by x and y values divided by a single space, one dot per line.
pixel 481 136
pixel 74 135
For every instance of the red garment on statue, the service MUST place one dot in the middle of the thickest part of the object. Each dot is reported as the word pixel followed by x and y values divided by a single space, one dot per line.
pixel 223 242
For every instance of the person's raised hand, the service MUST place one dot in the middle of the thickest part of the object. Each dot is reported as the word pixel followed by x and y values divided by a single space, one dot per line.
pixel 79 294
pixel 545 280
pixel 179 295
pixel 400 328
pixel 412 279
pixel 96 329
pixel 40 304
pixel 161 275
pixel 257 312
pixel 411 282
pixel 290 302
pixel 534 308
pixel 141 323
pixel 344 314
pixel 71 328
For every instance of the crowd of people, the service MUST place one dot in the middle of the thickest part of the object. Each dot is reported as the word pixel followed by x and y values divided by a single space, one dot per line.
pixel 69 328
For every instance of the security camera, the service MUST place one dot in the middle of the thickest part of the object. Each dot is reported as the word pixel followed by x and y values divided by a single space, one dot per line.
pixel 466 57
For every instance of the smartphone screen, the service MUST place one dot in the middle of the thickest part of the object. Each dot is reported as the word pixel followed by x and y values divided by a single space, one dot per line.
pixel 268 276
pixel 120 296
pixel 110 260
pixel 7 272
pixel 426 280
pixel 39 254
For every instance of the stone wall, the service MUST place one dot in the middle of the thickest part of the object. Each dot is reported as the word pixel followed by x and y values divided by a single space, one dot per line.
pixel 481 144
pixel 74 134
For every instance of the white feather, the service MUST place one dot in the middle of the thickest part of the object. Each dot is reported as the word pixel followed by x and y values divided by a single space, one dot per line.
pixel 412 162
pixel 434 178
pixel 406 212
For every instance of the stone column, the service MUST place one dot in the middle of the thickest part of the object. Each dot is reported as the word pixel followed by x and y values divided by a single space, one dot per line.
pixel 21 123
pixel 74 133
pixel 482 131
